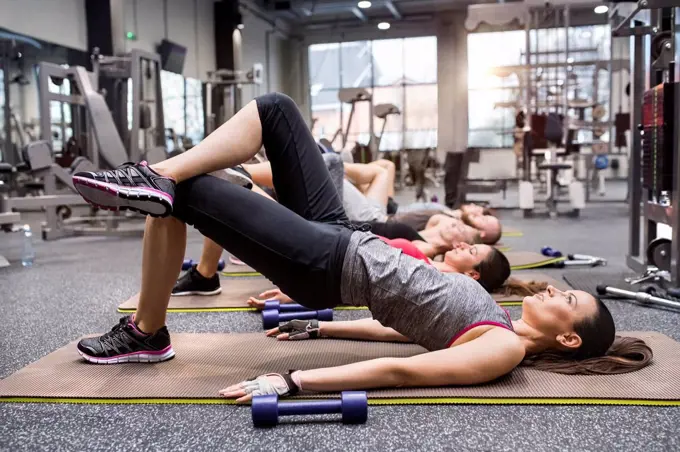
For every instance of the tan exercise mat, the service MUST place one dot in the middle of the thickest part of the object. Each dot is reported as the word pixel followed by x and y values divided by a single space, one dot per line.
pixel 239 270
pixel 206 363
pixel 235 292
pixel 521 260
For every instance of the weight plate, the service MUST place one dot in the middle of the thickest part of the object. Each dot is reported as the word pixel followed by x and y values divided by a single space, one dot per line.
pixel 659 253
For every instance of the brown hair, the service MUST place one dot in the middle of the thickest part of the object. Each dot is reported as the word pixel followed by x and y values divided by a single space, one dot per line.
pixel 601 351
pixel 514 286
pixel 493 271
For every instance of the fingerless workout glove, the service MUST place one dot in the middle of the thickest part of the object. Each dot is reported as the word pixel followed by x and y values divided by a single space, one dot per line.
pixel 301 329
pixel 268 384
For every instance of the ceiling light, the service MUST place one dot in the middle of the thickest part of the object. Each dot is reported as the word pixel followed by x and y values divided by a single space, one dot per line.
pixel 364 4
pixel 601 9
pixel 384 25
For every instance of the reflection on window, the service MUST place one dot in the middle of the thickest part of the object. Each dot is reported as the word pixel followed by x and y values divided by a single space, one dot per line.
pixel 356 64
pixel 495 77
pixel 2 112
pixel 194 112
pixel 173 101
pixel 388 68
pixel 420 54
pixel 60 115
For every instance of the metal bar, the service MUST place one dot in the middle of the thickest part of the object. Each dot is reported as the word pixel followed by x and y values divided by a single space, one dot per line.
pixel 527 80
pixel 136 80
pixel 675 199
pixel 628 18
pixel 393 9
pixel 8 151
pixel 44 102
pixel 361 16
pixel 635 157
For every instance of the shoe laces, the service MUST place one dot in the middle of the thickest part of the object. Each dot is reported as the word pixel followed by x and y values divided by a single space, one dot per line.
pixel 114 338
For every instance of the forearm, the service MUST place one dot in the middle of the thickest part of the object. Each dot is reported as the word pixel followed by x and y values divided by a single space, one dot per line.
pixel 364 329
pixel 377 373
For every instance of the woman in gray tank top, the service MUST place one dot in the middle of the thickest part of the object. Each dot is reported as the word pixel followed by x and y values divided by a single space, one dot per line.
pixel 306 247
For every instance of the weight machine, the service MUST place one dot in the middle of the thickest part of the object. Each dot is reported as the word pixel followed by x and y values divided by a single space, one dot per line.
pixel 225 85
pixel 653 29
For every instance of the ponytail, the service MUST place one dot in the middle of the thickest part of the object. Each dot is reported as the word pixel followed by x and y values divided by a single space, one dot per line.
pixel 626 354
pixel 517 287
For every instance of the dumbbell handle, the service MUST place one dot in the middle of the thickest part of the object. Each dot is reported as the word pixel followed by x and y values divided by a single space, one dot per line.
pixel 284 307
pixel 303 315
pixel 310 407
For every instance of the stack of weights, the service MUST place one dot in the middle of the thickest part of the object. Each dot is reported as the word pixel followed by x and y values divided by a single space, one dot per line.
pixel 657 139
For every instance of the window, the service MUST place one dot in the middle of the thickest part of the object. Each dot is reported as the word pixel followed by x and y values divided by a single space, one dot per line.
pixel 402 72
pixel 173 101
pixel 194 110
pixel 496 72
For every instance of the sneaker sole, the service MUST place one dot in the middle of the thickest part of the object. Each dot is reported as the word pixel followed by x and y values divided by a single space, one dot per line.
pixel 195 292
pixel 114 197
pixel 136 357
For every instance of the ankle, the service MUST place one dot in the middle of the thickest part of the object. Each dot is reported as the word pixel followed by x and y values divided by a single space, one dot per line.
pixel 146 327
pixel 206 271
pixel 160 169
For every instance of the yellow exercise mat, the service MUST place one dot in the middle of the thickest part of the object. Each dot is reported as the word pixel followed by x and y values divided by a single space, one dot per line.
pixel 511 232
pixel 206 363
pixel 235 292
pixel 239 270
pixel 521 260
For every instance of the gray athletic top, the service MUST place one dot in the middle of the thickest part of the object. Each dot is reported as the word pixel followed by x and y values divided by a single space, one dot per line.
pixel 431 308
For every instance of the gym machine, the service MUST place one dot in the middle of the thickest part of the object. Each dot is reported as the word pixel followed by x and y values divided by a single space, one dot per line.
pixel 138 73
pixel 363 153
pixel 652 28
pixel 226 84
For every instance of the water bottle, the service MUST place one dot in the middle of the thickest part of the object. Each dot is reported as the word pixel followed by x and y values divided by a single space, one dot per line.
pixel 28 254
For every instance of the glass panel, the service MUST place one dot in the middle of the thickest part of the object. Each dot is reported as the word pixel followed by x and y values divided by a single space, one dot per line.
pixel 195 118
pixel 356 64
pixel 2 114
pixel 173 101
pixel 392 139
pixel 326 114
pixel 324 66
pixel 420 60
pixel 421 117
pixel 489 50
pixel 359 128
pixel 388 61
pixel 489 139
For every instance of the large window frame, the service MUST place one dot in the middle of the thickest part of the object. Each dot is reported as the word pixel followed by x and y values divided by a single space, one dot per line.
pixel 394 71
pixel 491 127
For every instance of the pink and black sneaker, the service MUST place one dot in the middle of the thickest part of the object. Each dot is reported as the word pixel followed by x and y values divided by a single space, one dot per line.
pixel 125 343
pixel 131 186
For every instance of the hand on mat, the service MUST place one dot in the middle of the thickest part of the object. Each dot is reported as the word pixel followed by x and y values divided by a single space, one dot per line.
pixel 279 384
pixel 272 294
pixel 296 330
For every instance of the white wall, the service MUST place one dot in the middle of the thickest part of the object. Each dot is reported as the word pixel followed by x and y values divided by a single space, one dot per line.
pixel 189 23
pixel 57 21
pixel 255 34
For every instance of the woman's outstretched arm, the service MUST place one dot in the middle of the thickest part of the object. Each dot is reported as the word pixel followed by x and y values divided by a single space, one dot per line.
pixel 363 329
pixel 491 355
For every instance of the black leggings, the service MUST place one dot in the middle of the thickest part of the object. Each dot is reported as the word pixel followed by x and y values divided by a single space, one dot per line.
pixel 299 244
pixel 395 230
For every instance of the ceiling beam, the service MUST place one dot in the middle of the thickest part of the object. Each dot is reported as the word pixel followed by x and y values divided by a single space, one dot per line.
pixel 361 16
pixel 393 9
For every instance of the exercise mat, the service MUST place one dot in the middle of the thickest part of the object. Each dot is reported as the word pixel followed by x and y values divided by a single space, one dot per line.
pixel 206 363
pixel 528 277
pixel 588 281
pixel 522 260
pixel 510 232
pixel 239 270
pixel 235 292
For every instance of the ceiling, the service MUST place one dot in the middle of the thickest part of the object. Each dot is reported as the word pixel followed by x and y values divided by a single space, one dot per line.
pixel 311 13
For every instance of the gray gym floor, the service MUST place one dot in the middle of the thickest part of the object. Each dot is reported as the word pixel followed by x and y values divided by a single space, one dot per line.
pixel 76 284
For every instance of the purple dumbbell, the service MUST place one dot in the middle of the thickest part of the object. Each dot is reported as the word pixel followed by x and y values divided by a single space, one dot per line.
pixel 271 317
pixel 284 307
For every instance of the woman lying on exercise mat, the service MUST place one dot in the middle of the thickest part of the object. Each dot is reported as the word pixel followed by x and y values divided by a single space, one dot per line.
pixel 305 246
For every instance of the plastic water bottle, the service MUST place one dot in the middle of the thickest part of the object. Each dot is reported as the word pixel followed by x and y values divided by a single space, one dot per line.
pixel 29 253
